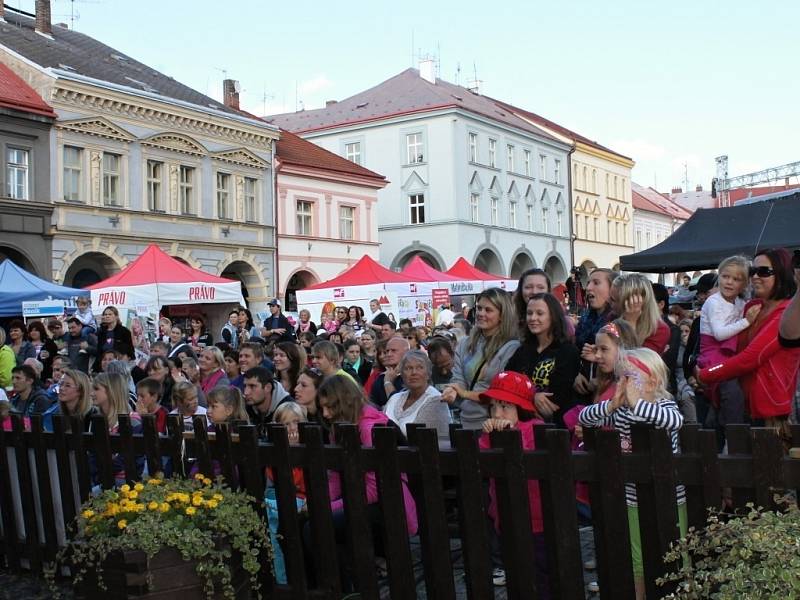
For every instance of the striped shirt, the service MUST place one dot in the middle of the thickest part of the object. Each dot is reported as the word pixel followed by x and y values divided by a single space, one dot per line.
pixel 663 414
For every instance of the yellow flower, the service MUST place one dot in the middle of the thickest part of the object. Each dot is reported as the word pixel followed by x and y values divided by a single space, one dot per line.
pixel 138 487
pixel 212 504
pixel 88 514
pixel 153 481
pixel 153 506
pixel 218 497
pixel 191 510
pixel 133 495
pixel 199 476
pixel 206 481
pixel 122 524
pixel 125 488
pixel 197 501
pixel 164 507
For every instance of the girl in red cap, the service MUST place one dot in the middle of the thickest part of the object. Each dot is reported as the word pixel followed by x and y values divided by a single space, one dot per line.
pixel 510 396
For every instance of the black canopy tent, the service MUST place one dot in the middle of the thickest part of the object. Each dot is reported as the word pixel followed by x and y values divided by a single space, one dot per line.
pixel 712 234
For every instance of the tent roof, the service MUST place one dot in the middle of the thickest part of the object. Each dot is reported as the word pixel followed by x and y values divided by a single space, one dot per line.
pixel 461 269
pixel 418 270
pixel 365 272
pixel 156 266
pixel 18 286
pixel 711 235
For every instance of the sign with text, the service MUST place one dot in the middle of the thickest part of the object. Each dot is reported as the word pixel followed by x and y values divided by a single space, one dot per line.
pixel 440 296
pixel 43 308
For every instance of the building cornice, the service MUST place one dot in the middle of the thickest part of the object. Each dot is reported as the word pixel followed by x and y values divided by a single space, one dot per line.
pixel 604 155
pixel 137 109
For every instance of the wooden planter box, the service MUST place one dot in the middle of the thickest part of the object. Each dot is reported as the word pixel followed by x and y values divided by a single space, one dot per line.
pixel 125 577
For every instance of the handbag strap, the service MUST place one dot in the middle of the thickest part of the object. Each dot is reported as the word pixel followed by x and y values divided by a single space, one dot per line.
pixel 477 374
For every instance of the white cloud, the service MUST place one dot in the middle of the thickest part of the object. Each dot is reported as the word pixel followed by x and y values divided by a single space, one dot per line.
pixel 314 85
pixel 639 150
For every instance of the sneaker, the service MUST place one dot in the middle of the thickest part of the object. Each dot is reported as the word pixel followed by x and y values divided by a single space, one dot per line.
pixel 590 565
pixel 593 587
pixel 499 576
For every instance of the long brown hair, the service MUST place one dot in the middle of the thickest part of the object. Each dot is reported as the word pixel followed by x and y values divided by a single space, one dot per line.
pixel 508 323
pixel 343 398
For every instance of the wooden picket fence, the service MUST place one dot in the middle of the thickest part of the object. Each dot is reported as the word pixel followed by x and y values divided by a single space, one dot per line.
pixel 45 476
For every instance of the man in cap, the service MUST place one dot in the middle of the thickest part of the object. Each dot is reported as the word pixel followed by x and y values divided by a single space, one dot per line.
pixel 277 327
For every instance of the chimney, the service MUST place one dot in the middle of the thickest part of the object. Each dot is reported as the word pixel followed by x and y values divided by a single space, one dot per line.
pixel 698 188
pixel 426 70
pixel 43 25
pixel 677 190
pixel 329 103
pixel 230 93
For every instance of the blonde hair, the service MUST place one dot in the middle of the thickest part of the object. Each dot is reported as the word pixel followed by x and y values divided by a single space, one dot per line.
pixel 116 387
pixel 81 381
pixel 508 323
pixel 229 397
pixel 633 284
pixel 654 363
pixel 741 263
pixel 218 356
pixel 181 391
pixel 288 409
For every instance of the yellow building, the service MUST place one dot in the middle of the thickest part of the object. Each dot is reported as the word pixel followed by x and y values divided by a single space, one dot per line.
pixel 600 184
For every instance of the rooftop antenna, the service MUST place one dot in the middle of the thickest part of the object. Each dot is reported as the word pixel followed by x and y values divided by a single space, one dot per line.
pixel 412 49
pixel 474 85
pixel 686 176
pixel 458 73
pixel 265 97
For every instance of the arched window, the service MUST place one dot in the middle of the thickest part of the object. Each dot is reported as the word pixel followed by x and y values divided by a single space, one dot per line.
pixel 585 178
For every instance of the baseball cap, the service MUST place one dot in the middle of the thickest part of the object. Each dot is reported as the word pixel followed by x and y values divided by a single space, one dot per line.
pixel 274 302
pixel 512 387
pixel 705 283
pixel 464 305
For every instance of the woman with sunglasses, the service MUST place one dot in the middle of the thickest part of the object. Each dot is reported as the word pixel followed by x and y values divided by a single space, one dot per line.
pixel 767 371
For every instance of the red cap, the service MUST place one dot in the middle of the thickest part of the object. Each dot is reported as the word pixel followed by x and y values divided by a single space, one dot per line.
pixel 512 387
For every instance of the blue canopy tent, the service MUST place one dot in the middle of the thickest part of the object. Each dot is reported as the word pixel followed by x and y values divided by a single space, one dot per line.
pixel 18 286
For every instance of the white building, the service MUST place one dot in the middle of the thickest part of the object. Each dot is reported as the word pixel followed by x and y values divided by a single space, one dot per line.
pixel 467 176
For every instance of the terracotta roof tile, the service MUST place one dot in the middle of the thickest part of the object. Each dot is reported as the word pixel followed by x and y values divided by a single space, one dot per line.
pixel 292 149
pixel 650 200
pixel 18 95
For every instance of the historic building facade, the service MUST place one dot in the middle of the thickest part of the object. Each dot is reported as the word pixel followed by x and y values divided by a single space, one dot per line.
pixel 467 178
pixel 25 206
pixel 139 158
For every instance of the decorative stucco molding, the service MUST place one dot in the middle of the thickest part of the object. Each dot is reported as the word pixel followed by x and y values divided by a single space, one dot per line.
pixel 241 156
pixel 177 142
pixel 97 126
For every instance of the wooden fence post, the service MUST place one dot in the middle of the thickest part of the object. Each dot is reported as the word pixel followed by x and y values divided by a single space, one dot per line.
pixel 431 514
pixel 32 547
pixel 657 504
pixel 44 488
pixel 101 444
pixel 126 449
pixel 393 513
pixel 472 516
pixel 738 437
pixel 152 445
pixel 201 446
pixel 285 494
pixel 557 490
pixel 767 465
pixel 10 536
pixel 513 507
pixel 325 559
pixel 612 543
pixel 359 532
pixel 176 444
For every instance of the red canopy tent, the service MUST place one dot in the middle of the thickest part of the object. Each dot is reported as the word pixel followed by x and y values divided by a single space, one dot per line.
pixel 156 279
pixel 418 270
pixel 365 272
pixel 461 269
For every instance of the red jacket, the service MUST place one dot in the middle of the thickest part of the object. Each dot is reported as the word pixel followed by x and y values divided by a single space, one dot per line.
pixel 767 371
pixel 658 342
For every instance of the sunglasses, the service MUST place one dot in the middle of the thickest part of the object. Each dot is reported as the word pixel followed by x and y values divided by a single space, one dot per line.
pixel 762 271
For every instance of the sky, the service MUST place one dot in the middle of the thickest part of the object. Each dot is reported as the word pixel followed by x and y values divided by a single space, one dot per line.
pixel 670 84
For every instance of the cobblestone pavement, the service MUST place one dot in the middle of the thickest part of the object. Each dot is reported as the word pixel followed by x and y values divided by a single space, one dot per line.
pixel 27 587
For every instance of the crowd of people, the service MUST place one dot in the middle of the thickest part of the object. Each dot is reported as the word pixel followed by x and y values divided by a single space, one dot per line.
pixel 507 361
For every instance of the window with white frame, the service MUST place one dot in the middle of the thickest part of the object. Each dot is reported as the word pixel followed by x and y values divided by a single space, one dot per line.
pixel 560 222
pixel 17 171
pixel 352 152
pixel 594 181
pixel 493 210
pixel 544 220
pixel 512 214
pixel 186 190
pixel 510 158
pixel 527 155
pixel 542 167
pixel 250 193
pixel 616 187
pixel 596 229
pixel 73 168
pixel 609 191
pixel 624 233
pixel 347 219
pixel 223 195
pixel 638 240
pixel 474 203
pixel 155 185
pixel 557 171
pixel 416 208
pixel 586 178
pixel 473 147
pixel 586 232
pixel 304 216
pixel 111 189
pixel 618 227
pixel 414 150
pixel 529 216
pixel 492 153
pixel 610 230
pixel 647 239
